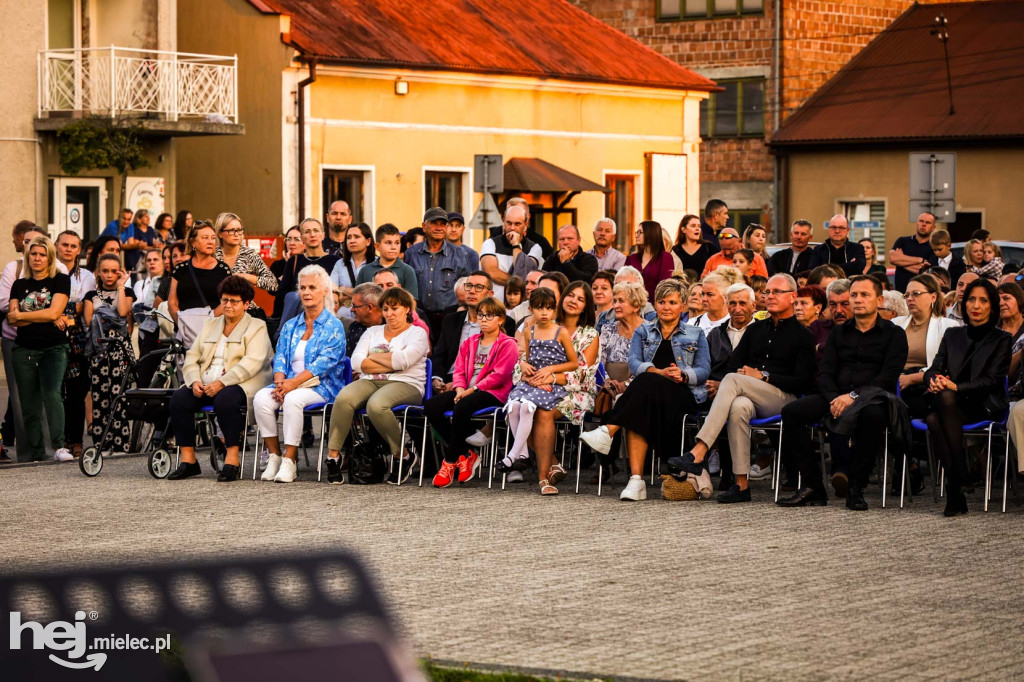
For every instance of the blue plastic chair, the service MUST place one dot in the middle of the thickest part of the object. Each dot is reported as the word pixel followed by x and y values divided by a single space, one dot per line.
pixel 491 413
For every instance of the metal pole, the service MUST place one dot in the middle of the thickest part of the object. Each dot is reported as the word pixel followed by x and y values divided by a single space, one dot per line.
pixel 487 187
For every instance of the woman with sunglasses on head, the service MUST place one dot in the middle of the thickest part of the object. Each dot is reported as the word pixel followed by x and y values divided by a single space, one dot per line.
pixel 243 261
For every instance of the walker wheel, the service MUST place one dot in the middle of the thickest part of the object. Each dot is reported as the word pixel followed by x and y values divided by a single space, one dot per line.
pixel 159 463
pixel 218 453
pixel 91 461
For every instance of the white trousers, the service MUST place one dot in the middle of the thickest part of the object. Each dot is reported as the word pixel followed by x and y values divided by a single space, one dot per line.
pixel 265 407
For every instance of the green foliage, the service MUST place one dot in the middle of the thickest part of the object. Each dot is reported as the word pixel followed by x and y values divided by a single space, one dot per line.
pixel 99 143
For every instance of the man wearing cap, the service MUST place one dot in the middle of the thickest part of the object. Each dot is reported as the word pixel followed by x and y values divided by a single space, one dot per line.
pixel 839 250
pixel 570 259
pixel 438 265
pixel 453 233
pixel 729 240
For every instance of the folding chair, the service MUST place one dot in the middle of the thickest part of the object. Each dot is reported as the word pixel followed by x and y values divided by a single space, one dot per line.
pixel 489 451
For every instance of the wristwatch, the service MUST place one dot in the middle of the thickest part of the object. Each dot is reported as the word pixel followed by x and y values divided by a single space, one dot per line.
pixel 854 394
pixel 764 375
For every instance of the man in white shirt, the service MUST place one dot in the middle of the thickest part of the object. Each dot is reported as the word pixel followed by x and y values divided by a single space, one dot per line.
pixel 510 253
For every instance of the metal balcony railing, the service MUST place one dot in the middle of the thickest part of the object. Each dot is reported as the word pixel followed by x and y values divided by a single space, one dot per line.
pixel 118 81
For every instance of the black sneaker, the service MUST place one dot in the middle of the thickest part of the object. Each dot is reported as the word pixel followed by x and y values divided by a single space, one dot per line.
pixel 734 494
pixel 408 464
pixel 334 475
pixel 4 457
pixel 185 470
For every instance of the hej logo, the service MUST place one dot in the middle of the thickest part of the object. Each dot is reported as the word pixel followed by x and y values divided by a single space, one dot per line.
pixel 59 636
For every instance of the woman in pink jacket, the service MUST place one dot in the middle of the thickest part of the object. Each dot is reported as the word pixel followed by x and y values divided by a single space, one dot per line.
pixel 482 378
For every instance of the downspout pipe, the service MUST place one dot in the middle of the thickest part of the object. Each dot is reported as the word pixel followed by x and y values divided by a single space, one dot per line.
pixel 779 218
pixel 301 170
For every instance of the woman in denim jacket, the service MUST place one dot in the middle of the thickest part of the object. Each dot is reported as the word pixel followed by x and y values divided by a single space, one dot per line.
pixel 670 363
pixel 308 368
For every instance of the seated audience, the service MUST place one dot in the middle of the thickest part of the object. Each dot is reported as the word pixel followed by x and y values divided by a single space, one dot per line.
pixel 809 304
pixel 229 362
pixel 481 379
pixel 670 363
pixel 308 368
pixel 392 363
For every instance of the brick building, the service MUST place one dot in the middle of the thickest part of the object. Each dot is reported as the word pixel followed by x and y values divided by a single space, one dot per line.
pixel 761 52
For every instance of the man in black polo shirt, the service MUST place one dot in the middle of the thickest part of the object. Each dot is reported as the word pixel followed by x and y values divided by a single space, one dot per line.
pixel 773 363
pixel 913 254
pixel 864 351
pixel 570 259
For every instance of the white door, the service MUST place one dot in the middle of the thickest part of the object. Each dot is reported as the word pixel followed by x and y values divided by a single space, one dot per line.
pixel 79 204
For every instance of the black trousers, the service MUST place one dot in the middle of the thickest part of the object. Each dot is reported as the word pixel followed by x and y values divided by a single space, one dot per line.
pixel 75 391
pixel 854 459
pixel 454 432
pixel 228 405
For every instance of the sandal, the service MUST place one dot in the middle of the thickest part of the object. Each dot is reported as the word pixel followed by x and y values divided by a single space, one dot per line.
pixel 555 474
pixel 547 489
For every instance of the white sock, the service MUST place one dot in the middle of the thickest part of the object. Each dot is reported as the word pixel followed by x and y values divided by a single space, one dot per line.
pixel 522 431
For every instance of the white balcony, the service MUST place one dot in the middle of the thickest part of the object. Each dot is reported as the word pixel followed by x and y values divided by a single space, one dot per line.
pixel 157 88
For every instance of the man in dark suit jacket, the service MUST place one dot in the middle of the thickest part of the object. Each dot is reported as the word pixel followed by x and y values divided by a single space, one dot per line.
pixel 798 257
pixel 839 250
pixel 460 325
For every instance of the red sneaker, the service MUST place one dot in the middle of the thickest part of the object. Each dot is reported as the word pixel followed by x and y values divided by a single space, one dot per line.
pixel 446 476
pixel 469 466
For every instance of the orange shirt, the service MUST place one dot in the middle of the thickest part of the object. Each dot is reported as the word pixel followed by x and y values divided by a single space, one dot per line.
pixel 758 267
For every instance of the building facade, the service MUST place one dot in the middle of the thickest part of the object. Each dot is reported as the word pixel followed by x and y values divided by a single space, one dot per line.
pixel 769 57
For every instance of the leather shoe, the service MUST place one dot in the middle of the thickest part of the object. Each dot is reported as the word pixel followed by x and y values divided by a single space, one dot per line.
pixel 805 497
pixel 228 473
pixel 855 499
pixel 185 470
pixel 734 494
pixel 686 464
pixel 840 484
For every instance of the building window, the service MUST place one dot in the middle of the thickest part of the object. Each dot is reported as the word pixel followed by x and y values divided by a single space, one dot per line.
pixel 867 221
pixel 444 189
pixel 350 186
pixel 742 218
pixel 737 111
pixel 675 10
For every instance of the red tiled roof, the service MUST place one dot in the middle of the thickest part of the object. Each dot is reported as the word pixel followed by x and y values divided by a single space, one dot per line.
pixel 895 90
pixel 538 38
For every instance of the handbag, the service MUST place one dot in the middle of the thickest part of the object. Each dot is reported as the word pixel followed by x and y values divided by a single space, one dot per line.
pixel 191 321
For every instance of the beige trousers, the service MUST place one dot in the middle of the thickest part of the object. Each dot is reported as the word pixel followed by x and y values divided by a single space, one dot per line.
pixel 741 398
pixel 1015 425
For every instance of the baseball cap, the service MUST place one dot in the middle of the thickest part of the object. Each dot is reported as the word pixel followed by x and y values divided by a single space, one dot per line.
pixel 455 215
pixel 435 213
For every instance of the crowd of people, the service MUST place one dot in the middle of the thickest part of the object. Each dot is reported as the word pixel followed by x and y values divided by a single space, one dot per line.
pixel 709 329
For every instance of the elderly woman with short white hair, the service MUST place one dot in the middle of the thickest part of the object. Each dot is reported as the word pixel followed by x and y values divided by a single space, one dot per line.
pixel 308 368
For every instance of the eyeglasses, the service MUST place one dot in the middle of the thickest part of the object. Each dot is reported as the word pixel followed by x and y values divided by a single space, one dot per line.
pixel 838 227
pixel 778 292
pixel 475 287
pixel 361 305
pixel 233 230
pixel 914 294
pixel 231 301
pixel 486 317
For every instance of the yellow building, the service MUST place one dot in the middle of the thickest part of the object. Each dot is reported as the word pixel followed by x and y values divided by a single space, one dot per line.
pixel 386 104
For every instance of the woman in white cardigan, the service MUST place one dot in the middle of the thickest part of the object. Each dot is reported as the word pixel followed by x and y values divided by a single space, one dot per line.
pixel 227 364
pixel 925 326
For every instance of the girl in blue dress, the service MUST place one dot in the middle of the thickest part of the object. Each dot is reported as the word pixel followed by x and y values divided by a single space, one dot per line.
pixel 544 350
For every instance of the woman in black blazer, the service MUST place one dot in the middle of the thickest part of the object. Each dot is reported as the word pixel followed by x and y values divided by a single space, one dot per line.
pixel 967 381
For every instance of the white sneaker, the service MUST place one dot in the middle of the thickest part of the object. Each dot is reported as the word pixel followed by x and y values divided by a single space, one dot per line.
pixel 714 463
pixel 63 455
pixel 635 490
pixel 478 439
pixel 273 464
pixel 514 477
pixel 287 471
pixel 599 439
pixel 759 474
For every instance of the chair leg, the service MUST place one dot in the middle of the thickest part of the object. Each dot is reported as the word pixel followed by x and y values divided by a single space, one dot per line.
pixel 988 468
pixel 885 467
pixel 401 445
pixel 323 434
pixel 903 480
pixel 600 477
pixel 245 444
pixel 654 456
pixel 256 455
pixel 579 462
pixel 1006 468
pixel 933 469
pixel 777 466
pixel 423 448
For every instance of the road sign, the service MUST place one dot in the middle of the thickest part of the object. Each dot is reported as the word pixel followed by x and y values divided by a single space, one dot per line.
pixel 867 226
pixel 488 174
pixel 933 184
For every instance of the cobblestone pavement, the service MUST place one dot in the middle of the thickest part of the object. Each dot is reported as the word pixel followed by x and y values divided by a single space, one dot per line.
pixel 581 584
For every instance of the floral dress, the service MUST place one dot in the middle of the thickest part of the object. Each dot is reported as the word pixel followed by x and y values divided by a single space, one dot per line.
pixel 580 385
pixel 106 372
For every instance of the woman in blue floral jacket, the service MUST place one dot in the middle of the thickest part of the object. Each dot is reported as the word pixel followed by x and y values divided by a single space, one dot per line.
pixel 308 368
